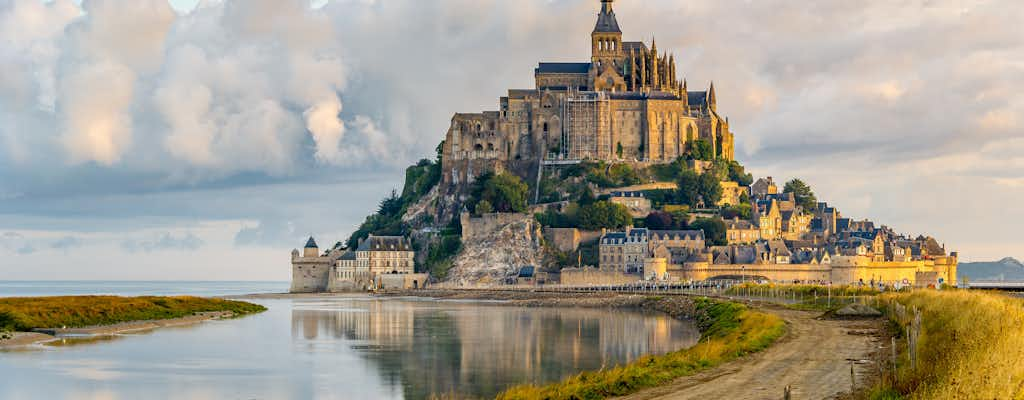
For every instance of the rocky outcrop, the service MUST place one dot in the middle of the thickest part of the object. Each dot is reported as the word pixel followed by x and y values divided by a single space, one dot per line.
pixel 494 248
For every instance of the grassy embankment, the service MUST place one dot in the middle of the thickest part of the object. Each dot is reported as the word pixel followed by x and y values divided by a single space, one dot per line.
pixel 971 346
pixel 27 313
pixel 806 297
pixel 729 330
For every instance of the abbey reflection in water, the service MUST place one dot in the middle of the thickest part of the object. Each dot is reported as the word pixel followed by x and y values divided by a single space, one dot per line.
pixel 479 349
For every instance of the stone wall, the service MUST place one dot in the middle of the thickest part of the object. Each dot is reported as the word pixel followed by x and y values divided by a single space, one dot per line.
pixel 310 274
pixel 476 227
pixel 564 239
pixel 594 276
pixel 401 281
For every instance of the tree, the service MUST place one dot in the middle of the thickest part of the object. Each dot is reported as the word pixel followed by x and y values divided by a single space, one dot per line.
pixel 701 149
pixel 689 187
pixel 484 207
pixel 659 220
pixel 714 230
pixel 505 192
pixel 604 214
pixel 803 194
pixel 741 211
pixel 391 205
pixel 738 174
pixel 623 175
pixel 710 189
pixel 618 149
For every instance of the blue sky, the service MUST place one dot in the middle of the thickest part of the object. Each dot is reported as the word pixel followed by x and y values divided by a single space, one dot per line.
pixel 152 140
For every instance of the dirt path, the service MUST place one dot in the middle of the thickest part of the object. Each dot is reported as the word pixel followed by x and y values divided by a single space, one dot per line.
pixel 814 358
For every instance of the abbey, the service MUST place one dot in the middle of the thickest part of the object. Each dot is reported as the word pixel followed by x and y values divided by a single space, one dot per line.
pixel 627 104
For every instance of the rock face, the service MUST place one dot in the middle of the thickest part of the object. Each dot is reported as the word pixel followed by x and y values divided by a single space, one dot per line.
pixel 495 247
pixel 858 311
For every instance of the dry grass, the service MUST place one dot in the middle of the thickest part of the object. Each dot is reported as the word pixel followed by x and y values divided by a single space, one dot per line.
pixel 971 347
pixel 730 330
pixel 802 290
pixel 26 313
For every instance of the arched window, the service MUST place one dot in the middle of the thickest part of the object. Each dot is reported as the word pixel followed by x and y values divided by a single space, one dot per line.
pixel 478 147
pixel 545 127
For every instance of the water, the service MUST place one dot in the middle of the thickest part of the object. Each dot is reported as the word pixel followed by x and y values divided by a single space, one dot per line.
pixel 344 348
pixel 137 288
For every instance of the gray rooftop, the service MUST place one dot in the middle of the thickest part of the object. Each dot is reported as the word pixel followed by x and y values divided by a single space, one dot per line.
pixel 563 68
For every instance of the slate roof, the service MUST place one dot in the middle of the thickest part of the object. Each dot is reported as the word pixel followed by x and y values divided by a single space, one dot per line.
pixel 627 47
pixel 526 272
pixel 384 243
pixel 606 22
pixel 696 98
pixel 642 96
pixel 562 68
pixel 311 244
pixel 691 235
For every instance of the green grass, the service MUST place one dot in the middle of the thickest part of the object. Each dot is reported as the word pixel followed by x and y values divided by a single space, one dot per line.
pixel 971 347
pixel 27 313
pixel 729 330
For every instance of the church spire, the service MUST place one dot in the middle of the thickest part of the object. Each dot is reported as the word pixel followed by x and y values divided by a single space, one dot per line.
pixel 606 22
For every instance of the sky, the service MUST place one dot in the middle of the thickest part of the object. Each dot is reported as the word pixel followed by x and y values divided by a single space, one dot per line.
pixel 203 140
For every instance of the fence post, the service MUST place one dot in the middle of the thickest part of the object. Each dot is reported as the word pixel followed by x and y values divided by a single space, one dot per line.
pixel 787 393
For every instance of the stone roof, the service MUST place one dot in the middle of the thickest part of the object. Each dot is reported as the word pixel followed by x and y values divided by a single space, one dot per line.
pixel 562 68
pixel 384 243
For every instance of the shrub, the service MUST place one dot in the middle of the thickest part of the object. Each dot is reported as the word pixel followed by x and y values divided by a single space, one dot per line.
pixel 26 313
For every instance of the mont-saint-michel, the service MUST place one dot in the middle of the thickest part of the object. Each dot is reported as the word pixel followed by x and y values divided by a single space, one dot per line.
pixel 609 171
pixel 511 199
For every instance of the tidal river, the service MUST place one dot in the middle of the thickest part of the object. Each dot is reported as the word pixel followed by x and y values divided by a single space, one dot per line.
pixel 344 348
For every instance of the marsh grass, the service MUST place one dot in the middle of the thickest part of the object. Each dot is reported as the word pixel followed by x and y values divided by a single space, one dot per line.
pixel 27 313
pixel 971 346
pixel 729 330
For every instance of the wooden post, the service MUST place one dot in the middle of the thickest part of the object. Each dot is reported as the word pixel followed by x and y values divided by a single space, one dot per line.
pixel 894 374
pixel 787 393
pixel 853 379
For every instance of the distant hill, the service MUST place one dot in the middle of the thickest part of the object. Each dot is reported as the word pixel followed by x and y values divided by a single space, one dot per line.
pixel 1008 269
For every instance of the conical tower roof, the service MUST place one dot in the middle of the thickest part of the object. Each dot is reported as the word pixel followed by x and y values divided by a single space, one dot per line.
pixel 606 22
pixel 311 244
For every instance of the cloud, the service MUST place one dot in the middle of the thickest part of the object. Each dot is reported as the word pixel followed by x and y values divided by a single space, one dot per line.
pixel 16 243
pixel 66 243
pixel 163 242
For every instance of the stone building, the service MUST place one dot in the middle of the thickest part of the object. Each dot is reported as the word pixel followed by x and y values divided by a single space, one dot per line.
pixel 627 103
pixel 639 206
pixel 624 251
pixel 732 192
pixel 379 263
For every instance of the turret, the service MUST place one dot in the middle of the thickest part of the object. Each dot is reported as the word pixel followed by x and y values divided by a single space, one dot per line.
pixel 311 249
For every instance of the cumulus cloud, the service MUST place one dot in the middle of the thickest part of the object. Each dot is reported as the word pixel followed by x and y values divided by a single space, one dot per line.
pixel 877 104
pixel 163 242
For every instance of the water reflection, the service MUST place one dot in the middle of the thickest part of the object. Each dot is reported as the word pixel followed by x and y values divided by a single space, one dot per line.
pixel 480 349
pixel 343 348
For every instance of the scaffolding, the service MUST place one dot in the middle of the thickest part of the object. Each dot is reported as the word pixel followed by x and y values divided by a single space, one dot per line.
pixel 587 131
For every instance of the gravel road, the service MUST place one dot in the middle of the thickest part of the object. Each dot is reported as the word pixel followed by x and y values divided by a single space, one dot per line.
pixel 814 358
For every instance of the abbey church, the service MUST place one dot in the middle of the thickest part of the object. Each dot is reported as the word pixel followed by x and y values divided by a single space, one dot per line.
pixel 627 104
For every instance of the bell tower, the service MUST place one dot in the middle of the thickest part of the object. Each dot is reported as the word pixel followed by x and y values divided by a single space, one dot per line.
pixel 606 40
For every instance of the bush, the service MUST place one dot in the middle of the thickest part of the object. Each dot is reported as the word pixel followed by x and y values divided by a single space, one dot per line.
pixel 505 192
pixel 604 214
pixel 714 230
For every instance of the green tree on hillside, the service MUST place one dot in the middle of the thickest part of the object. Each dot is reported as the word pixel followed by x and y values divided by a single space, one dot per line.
pixel 701 149
pixel 738 174
pixel 689 187
pixel 604 214
pixel 804 196
pixel 505 192
pixel 658 220
pixel 710 189
pixel 484 207
pixel 714 230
